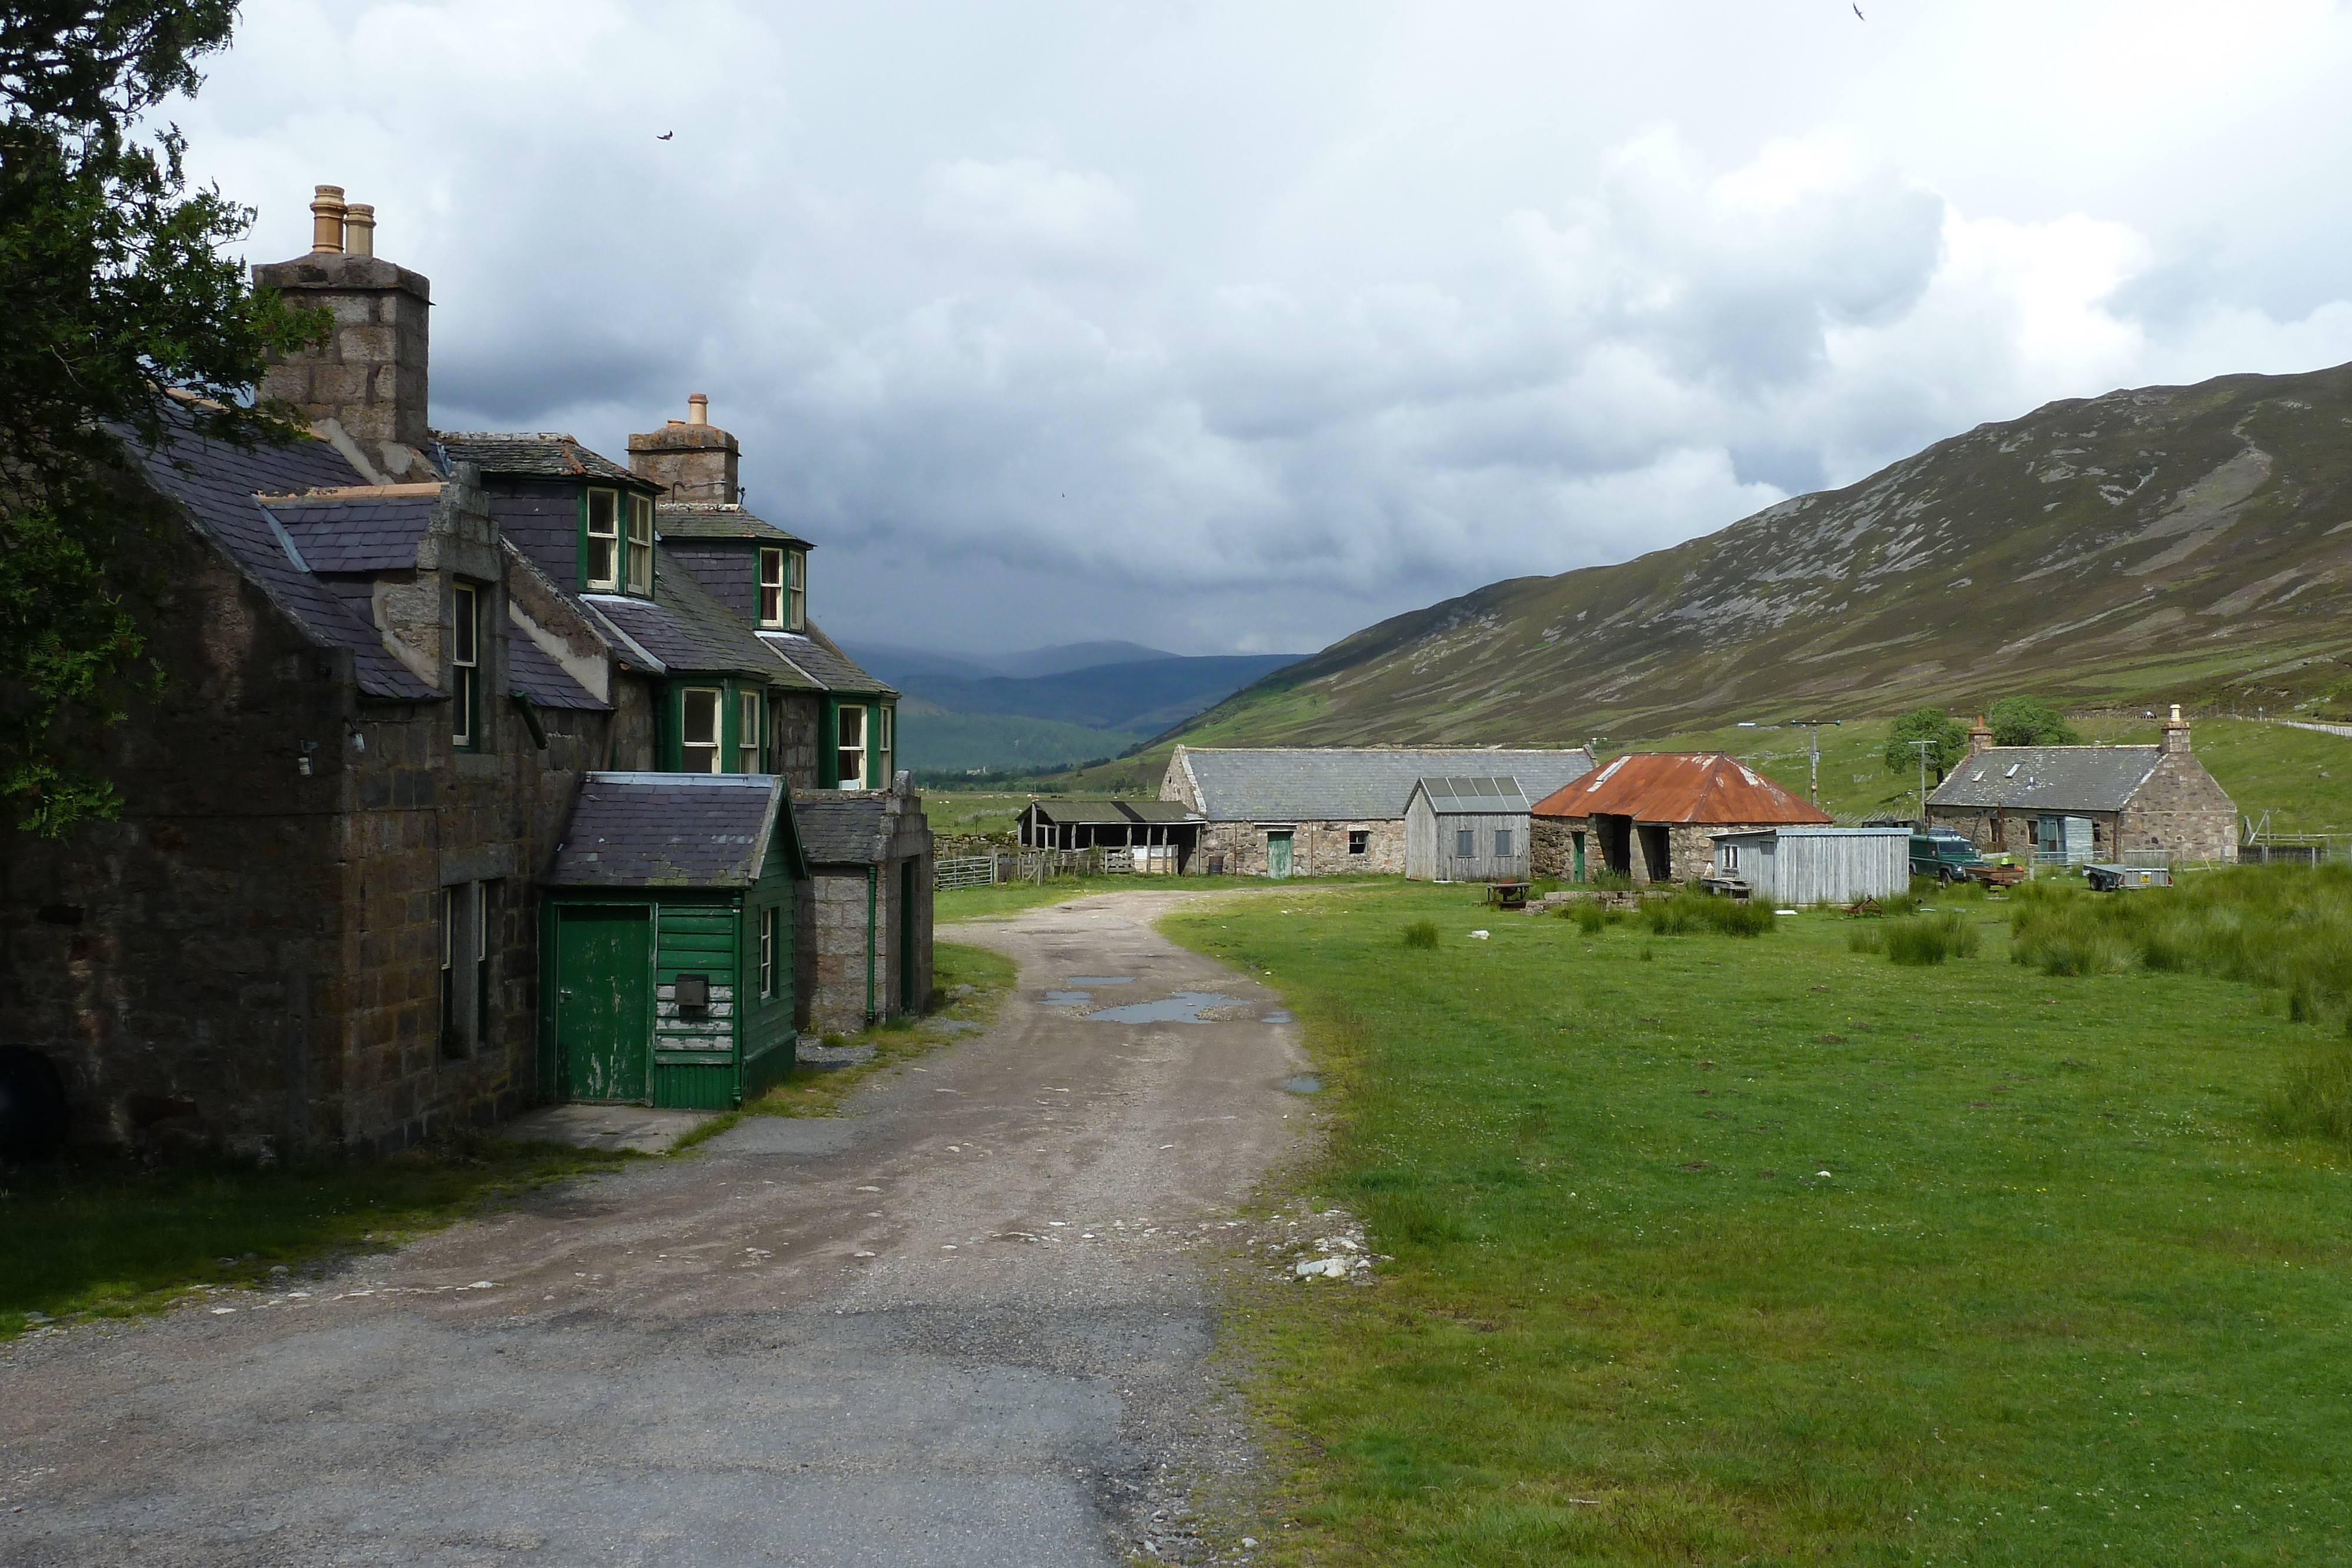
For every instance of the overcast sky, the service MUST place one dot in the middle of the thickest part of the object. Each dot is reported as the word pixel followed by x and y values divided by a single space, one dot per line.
pixel 1237 326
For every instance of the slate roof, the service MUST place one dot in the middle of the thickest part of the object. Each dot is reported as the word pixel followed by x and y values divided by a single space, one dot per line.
pixel 688 630
pixel 547 455
pixel 671 830
pixel 844 829
pixel 546 683
pixel 717 520
pixel 1333 784
pixel 821 658
pixel 367 530
pixel 1688 787
pixel 217 484
pixel 2049 778
pixel 1481 797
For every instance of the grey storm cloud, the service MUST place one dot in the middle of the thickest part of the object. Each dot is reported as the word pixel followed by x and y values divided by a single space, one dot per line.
pixel 1224 329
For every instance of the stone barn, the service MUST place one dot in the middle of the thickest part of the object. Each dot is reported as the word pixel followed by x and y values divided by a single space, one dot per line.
pixel 2155 801
pixel 1465 830
pixel 1653 816
pixel 1318 810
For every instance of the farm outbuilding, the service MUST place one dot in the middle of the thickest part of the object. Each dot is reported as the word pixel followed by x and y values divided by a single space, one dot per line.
pixel 1467 829
pixel 1801 866
pixel 1313 811
pixel 1159 834
pixel 1653 816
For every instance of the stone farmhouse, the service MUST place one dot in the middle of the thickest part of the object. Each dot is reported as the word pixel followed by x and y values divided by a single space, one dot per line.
pixel 1318 810
pixel 1655 816
pixel 403 843
pixel 2089 802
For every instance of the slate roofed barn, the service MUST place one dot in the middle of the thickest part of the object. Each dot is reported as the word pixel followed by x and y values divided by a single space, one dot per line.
pixel 2089 802
pixel 1651 816
pixel 1276 812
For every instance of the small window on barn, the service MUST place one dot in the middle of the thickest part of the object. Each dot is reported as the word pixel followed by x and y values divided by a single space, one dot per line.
pixel 1730 857
pixel 1502 843
pixel 1466 843
pixel 1360 841
pixel 600 564
pixel 698 729
pixel 747 731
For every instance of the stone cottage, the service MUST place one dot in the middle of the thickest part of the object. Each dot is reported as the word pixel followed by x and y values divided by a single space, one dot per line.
pixel 2154 801
pixel 1317 811
pixel 1653 816
pixel 393 658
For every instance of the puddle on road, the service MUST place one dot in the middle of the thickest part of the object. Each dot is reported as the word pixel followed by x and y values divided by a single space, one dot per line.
pixel 1279 1014
pixel 1305 1083
pixel 1102 979
pixel 1067 998
pixel 1184 1007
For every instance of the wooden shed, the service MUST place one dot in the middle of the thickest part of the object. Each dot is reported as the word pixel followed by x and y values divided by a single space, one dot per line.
pixel 1159 835
pixel 1801 865
pixel 669 941
pixel 1465 830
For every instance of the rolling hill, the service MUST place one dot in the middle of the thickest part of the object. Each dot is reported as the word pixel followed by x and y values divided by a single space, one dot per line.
pixel 2189 544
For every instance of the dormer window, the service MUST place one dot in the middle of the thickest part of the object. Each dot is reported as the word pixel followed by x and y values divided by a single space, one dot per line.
pixel 698 729
pixel 641 545
pixel 601 556
pixel 616 551
pixel 796 609
pixel 771 590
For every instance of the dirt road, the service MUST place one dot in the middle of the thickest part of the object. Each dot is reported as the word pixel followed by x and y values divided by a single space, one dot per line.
pixel 962 1324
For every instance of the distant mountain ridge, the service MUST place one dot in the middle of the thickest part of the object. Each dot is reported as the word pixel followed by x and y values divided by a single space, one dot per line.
pixel 957 714
pixel 2181 543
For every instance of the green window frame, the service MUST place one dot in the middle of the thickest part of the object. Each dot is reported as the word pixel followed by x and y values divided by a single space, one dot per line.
pixel 774 590
pixel 701 712
pixel 796 602
pixel 768 918
pixel 749 701
pixel 886 742
pixel 641 546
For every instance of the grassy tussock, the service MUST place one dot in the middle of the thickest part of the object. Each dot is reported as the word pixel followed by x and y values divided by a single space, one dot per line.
pixel 2286 927
pixel 1688 913
pixel 1917 939
pixel 1421 933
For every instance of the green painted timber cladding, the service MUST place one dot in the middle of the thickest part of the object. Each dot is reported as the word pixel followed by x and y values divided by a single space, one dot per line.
pixel 694 1062
pixel 769 1035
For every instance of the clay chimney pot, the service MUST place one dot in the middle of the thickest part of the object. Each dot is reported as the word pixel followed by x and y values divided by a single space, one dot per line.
pixel 359 229
pixel 327 219
pixel 697 409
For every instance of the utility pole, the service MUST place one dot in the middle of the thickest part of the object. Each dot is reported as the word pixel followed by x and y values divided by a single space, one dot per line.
pixel 1813 727
pixel 1922 747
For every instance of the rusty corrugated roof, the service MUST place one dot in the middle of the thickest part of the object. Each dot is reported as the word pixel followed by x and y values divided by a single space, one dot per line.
pixel 1679 787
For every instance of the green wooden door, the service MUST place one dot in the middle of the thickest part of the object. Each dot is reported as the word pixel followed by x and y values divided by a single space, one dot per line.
pixel 1579 839
pixel 603 1006
pixel 1277 854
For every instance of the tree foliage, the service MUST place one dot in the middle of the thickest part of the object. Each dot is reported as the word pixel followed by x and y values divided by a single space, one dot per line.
pixel 121 315
pixel 1947 738
pixel 2025 721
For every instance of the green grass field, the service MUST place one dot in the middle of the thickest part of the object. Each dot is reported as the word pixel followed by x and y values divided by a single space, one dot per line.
pixel 1712 1249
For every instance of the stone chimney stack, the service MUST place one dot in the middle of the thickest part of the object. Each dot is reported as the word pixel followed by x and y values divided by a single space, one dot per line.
pixel 2176 731
pixel 691 458
pixel 364 388
pixel 1980 737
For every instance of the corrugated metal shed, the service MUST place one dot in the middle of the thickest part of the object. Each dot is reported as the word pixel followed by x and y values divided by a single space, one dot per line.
pixel 2049 778
pixel 1694 786
pixel 1802 866
pixel 1335 784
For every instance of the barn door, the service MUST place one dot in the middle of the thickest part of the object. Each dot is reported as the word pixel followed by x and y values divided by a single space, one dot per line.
pixel 1277 854
pixel 603 1000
